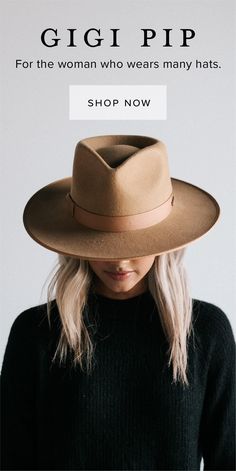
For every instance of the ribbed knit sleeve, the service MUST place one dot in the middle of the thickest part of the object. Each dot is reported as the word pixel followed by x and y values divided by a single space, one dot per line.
pixel 18 397
pixel 218 419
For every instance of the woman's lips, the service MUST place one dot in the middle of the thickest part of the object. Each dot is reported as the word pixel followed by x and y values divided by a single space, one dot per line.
pixel 119 276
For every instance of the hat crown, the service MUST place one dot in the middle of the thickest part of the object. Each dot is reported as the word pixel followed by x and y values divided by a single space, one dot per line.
pixel 120 175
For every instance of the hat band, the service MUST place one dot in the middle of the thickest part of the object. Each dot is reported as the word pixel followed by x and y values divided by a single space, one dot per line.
pixel 121 223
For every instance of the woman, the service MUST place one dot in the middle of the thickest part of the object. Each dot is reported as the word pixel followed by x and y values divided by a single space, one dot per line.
pixel 121 369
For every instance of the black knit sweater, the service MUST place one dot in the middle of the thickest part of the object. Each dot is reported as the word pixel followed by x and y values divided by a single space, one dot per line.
pixel 128 414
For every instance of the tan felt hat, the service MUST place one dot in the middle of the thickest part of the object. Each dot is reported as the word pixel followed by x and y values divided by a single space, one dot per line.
pixel 120 203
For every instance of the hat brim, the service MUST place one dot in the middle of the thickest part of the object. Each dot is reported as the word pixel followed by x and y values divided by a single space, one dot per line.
pixel 49 222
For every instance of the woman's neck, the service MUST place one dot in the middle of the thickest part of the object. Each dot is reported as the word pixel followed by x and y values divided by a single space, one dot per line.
pixel 138 289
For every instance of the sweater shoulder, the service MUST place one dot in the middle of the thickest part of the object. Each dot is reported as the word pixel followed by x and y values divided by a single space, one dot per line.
pixel 211 317
pixel 29 335
pixel 212 328
pixel 34 319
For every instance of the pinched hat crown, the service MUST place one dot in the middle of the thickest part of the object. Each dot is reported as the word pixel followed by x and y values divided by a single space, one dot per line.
pixel 113 179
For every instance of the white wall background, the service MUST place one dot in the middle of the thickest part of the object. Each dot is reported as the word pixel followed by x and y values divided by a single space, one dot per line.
pixel 38 139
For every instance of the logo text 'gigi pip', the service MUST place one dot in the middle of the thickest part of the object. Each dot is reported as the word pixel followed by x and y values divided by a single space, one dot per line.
pixel 93 37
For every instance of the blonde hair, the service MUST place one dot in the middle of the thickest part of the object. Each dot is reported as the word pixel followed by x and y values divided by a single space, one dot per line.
pixel 167 283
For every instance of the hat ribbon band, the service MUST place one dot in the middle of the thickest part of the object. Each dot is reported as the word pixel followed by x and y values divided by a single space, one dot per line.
pixel 121 223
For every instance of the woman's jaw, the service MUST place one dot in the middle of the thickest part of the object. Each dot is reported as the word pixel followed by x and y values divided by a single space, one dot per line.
pixel 122 279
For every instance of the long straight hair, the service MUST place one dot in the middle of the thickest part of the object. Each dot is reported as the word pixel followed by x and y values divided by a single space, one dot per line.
pixel 167 282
